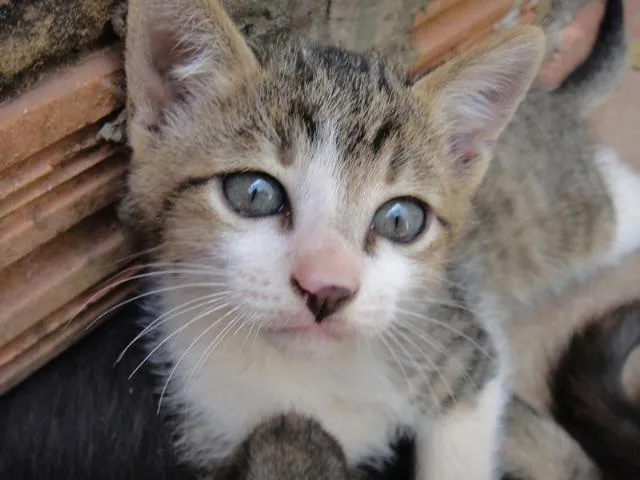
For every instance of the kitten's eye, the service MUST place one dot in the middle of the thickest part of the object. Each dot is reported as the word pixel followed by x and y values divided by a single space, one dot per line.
pixel 254 194
pixel 400 220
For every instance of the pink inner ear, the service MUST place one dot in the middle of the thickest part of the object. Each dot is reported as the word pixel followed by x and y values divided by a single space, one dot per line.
pixel 166 51
pixel 329 264
pixel 463 147
pixel 480 118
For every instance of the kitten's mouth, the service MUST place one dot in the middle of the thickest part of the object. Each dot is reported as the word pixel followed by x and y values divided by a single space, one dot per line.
pixel 311 331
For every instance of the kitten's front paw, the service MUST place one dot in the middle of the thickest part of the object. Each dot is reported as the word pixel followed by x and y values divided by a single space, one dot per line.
pixel 288 447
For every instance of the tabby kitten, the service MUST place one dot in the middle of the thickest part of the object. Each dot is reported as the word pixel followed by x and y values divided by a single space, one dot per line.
pixel 301 203
pixel 304 206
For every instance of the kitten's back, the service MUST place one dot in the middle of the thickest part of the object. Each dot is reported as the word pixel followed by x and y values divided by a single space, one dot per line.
pixel 545 208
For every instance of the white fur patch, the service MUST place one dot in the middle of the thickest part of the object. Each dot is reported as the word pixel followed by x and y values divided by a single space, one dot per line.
pixel 348 392
pixel 624 187
pixel 464 443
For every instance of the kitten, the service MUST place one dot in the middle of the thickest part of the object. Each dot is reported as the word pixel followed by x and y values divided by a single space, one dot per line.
pixel 538 446
pixel 300 203
pixel 304 206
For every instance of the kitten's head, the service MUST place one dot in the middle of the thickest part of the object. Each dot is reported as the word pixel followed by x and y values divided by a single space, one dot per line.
pixel 315 189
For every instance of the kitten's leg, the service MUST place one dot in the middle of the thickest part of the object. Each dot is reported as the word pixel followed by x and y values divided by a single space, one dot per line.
pixel 464 443
pixel 536 448
pixel 288 447
pixel 623 182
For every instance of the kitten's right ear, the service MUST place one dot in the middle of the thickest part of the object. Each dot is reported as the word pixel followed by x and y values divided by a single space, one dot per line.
pixel 472 97
pixel 178 51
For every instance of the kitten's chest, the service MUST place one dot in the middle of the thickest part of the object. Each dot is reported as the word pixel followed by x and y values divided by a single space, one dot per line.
pixel 353 400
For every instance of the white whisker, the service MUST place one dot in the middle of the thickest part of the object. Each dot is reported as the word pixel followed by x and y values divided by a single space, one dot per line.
pixel 447 327
pixel 425 337
pixel 183 355
pixel 174 312
pixel 153 292
pixel 429 360
pixel 420 369
pixel 176 332
pixel 396 359
pixel 112 285
pixel 250 331
pixel 211 347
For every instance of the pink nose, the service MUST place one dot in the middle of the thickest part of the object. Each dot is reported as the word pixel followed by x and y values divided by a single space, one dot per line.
pixel 325 301
pixel 327 277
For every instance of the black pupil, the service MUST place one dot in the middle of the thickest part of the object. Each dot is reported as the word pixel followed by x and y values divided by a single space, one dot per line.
pixel 255 188
pixel 399 214
pixel 263 193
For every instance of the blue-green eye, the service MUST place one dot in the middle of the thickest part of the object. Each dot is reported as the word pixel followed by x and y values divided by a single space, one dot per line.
pixel 400 220
pixel 254 194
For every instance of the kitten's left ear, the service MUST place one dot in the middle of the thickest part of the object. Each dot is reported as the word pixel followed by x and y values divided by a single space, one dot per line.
pixel 181 52
pixel 473 97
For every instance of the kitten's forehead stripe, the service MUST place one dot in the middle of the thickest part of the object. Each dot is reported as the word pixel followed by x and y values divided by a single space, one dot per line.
pixel 365 100
pixel 383 82
pixel 384 132
pixel 305 113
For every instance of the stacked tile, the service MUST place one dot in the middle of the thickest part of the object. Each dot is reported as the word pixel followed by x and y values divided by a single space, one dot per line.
pixel 448 26
pixel 61 248
pixel 59 237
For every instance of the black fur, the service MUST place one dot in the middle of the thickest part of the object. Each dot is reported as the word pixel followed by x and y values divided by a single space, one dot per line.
pixel 80 417
pixel 598 73
pixel 589 400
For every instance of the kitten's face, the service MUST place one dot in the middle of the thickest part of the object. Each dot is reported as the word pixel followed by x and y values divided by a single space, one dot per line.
pixel 304 193
pixel 316 205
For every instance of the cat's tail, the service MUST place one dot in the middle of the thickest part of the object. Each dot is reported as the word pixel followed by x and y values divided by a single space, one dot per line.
pixel 591 82
pixel 589 398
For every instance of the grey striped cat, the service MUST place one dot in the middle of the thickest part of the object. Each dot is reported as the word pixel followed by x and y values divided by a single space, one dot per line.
pixel 327 238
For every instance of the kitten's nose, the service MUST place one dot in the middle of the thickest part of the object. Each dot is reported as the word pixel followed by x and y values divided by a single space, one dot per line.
pixel 326 274
pixel 325 301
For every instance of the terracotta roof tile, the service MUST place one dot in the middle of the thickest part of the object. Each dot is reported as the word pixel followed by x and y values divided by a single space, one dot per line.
pixel 60 270
pixel 46 216
pixel 66 102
